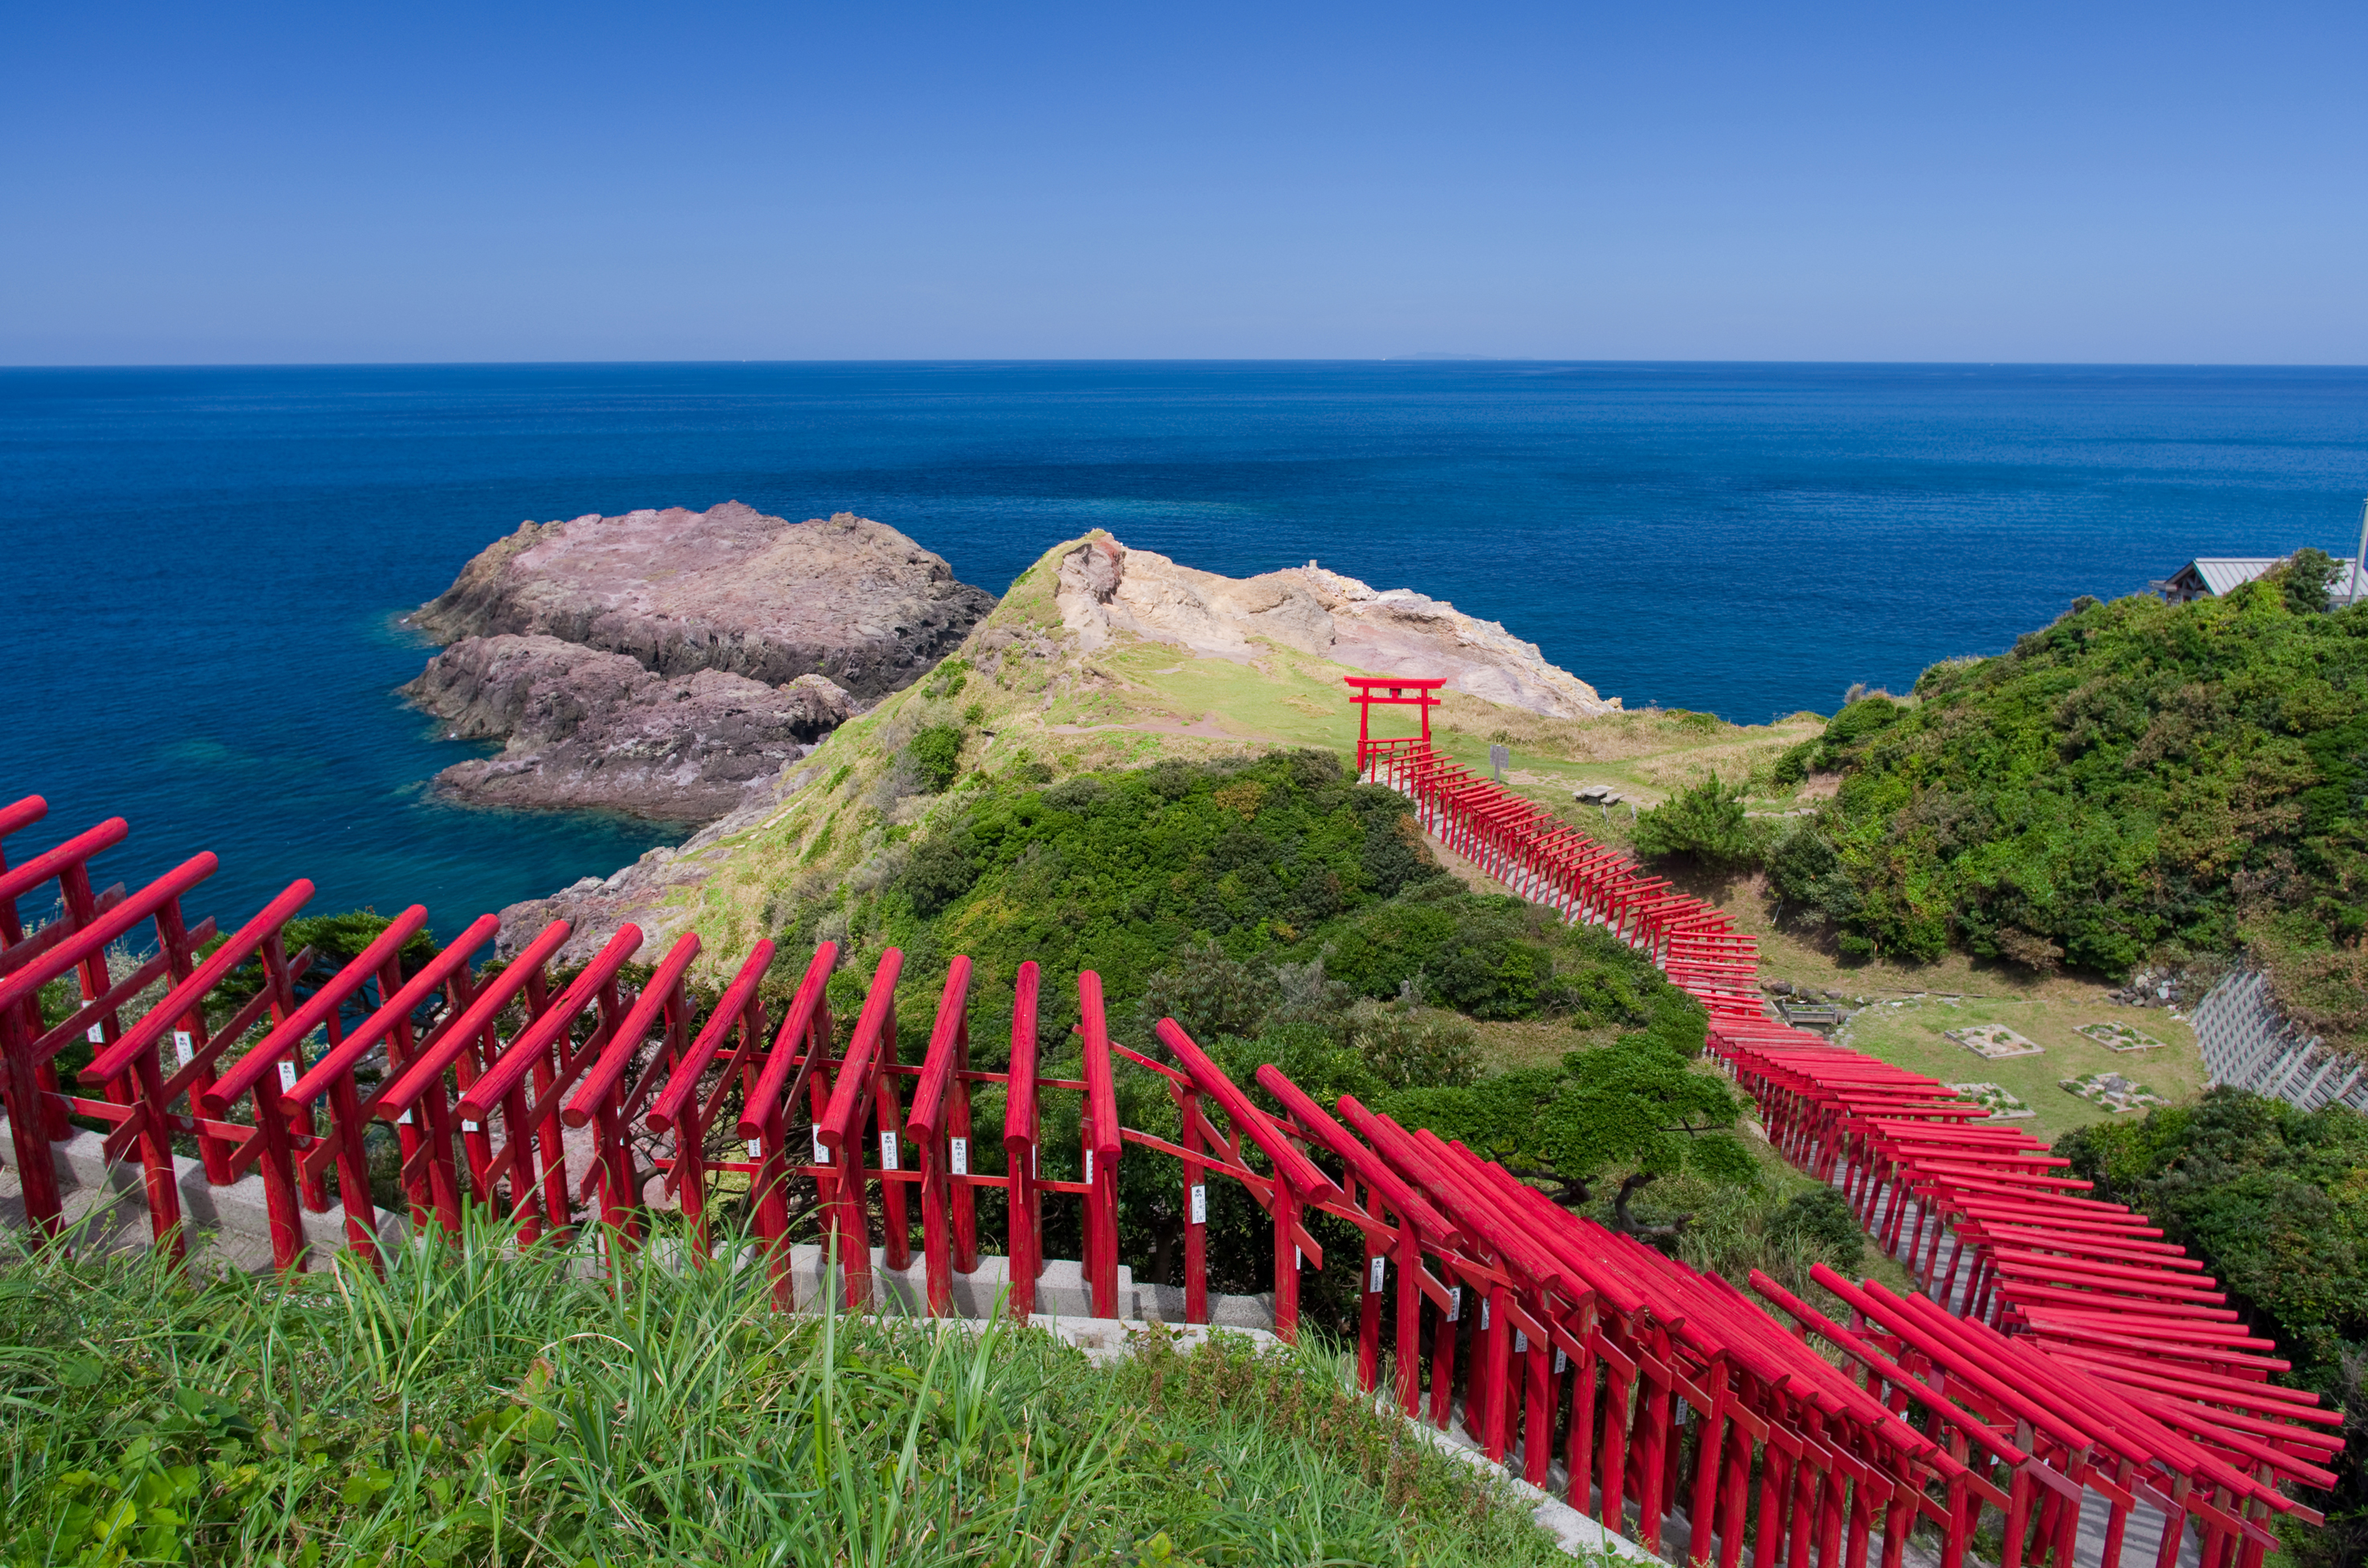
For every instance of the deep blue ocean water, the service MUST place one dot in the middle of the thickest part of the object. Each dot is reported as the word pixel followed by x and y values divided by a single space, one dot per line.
pixel 203 566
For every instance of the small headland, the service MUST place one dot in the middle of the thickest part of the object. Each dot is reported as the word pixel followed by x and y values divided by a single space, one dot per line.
pixel 669 664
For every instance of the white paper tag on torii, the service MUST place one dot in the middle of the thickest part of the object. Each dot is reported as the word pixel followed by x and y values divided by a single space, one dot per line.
pixel 756 1148
pixel 185 1048
pixel 1561 1359
pixel 1090 1167
pixel 1373 1274
pixel 469 1124
pixel 404 1119
pixel 1484 1311
pixel 1520 1342
pixel 822 1155
pixel 1456 1304
pixel 287 1076
pixel 958 1154
pixel 1677 1418
pixel 888 1151
pixel 1199 1203
pixel 95 1034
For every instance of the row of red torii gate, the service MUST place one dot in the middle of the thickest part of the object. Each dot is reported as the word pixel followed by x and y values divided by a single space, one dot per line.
pixel 2067 1378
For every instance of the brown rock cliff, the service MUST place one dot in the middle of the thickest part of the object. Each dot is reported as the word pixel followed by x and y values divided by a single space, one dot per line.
pixel 665 664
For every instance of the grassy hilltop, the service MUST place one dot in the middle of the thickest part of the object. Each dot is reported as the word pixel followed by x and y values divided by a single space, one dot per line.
pixel 1020 706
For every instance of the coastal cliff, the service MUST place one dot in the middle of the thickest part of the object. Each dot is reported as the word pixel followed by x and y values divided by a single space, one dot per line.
pixel 1099 657
pixel 665 663
pixel 596 731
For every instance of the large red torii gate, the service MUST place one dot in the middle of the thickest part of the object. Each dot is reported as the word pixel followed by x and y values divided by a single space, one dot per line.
pixel 1387 691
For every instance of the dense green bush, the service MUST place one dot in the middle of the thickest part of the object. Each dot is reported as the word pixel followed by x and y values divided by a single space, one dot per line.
pixel 1636 1107
pixel 1705 823
pixel 1824 1218
pixel 2274 1200
pixel 2136 778
pixel 936 754
pixel 1281 859
pixel 1283 914
pixel 1409 1049
pixel 1478 954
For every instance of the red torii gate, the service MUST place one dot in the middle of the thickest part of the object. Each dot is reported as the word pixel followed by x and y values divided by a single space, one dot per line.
pixel 1365 687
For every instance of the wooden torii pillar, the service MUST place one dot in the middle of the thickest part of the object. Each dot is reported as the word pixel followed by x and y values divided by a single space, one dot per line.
pixel 1389 691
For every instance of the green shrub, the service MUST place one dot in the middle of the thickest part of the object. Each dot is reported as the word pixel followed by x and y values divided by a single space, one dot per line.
pixel 1211 995
pixel 946 682
pixel 1705 823
pixel 1636 1107
pixel 1824 1218
pixel 936 755
pixel 335 940
pixel 1804 871
pixel 2305 579
pixel 940 868
pixel 1407 1049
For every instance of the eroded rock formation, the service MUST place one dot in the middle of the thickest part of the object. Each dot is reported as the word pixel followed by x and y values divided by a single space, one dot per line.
pixel 1108 591
pixel 665 663
pixel 596 731
pixel 729 589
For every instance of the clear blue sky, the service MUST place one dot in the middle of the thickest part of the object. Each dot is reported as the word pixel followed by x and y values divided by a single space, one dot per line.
pixel 235 182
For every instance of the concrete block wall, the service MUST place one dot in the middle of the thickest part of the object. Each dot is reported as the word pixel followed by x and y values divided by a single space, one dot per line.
pixel 110 1199
pixel 2249 1043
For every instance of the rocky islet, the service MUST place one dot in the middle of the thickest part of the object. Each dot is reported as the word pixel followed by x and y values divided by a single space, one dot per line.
pixel 668 663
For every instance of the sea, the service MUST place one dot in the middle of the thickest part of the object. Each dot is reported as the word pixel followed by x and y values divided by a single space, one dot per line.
pixel 205 568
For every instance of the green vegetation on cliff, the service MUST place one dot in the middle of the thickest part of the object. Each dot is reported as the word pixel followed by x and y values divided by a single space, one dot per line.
pixel 1281 858
pixel 1285 914
pixel 2138 780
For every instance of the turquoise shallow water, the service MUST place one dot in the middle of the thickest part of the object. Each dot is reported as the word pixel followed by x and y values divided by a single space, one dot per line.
pixel 203 565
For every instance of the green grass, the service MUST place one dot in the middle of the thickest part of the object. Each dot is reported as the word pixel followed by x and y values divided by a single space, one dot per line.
pixel 483 1406
pixel 1908 1031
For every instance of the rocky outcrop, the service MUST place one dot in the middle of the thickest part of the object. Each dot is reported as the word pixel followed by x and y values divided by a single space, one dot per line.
pixel 728 589
pixel 595 730
pixel 666 663
pixel 1109 592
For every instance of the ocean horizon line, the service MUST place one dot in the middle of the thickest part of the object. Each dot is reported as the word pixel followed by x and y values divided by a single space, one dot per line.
pixel 1442 362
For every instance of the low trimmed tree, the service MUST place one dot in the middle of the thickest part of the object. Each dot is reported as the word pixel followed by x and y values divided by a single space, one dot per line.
pixel 1706 821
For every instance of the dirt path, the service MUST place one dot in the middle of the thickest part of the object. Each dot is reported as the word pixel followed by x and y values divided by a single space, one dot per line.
pixel 1463 870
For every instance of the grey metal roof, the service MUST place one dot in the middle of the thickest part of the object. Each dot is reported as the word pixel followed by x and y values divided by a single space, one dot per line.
pixel 2221 574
